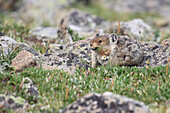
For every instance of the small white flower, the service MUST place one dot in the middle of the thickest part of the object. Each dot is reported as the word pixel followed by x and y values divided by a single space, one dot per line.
pixel 44 44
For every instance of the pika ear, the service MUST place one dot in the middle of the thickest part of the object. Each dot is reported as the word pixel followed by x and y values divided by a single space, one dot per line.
pixel 113 38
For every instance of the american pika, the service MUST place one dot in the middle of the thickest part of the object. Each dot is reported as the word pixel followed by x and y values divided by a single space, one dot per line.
pixel 119 50
pixel 100 46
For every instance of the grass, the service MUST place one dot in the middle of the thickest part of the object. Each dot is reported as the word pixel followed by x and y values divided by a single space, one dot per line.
pixel 58 89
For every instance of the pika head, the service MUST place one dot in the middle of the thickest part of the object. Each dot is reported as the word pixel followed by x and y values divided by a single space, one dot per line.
pixel 100 46
pixel 100 42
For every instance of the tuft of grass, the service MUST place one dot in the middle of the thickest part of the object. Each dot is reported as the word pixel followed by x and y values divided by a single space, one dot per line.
pixel 6 59
pixel 74 36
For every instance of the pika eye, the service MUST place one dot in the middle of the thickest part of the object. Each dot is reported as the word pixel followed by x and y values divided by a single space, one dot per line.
pixel 100 41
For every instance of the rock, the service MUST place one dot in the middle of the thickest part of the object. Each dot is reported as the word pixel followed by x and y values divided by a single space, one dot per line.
pixel 84 2
pixel 45 34
pixel 8 5
pixel 82 22
pixel 23 60
pixel 1 34
pixel 26 47
pixel 13 103
pixel 161 22
pixel 52 35
pixel 39 12
pixel 106 103
pixel 136 29
pixel 30 89
pixel 166 42
pixel 76 54
pixel 155 54
pixel 7 45
pixel 64 37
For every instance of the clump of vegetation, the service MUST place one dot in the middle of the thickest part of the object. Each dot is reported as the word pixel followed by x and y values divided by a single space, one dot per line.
pixel 6 59
pixel 75 36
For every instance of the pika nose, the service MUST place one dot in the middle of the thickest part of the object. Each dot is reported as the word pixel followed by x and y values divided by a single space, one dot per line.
pixel 90 44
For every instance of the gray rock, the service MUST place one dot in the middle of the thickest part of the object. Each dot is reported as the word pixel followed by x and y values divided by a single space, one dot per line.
pixel 81 22
pixel 7 45
pixel 52 34
pixel 40 12
pixel 64 37
pixel 13 103
pixel 135 28
pixel 6 5
pixel 68 58
pixel 30 89
pixel 106 103
pixel 155 54
pixel 26 47
pixel 45 33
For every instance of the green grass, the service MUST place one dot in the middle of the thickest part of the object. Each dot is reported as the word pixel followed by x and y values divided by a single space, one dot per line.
pixel 149 86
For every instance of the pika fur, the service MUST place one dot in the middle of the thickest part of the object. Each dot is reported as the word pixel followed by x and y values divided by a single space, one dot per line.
pixel 115 50
pixel 125 51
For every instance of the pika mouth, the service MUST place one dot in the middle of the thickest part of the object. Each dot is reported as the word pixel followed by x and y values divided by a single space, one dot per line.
pixel 95 48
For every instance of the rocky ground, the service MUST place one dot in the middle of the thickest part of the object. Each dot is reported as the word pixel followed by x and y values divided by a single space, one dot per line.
pixel 58 37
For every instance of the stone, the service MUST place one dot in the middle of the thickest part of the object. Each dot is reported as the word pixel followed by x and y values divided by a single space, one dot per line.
pixel 30 89
pixel 59 35
pixel 45 34
pixel 1 34
pixel 7 45
pixel 77 54
pixel 84 2
pixel 64 36
pixel 161 22
pixel 106 103
pixel 23 60
pixel 135 28
pixel 166 42
pixel 154 54
pixel 82 23
pixel 24 46
pixel 39 12
pixel 13 103
pixel 8 5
